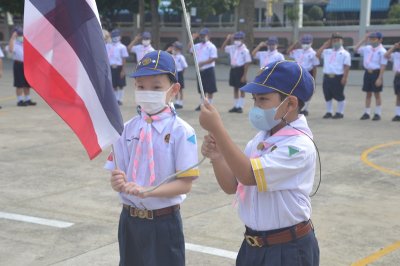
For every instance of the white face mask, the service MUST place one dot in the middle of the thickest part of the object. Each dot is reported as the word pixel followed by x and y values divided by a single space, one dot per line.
pixel 146 42
pixel 151 102
pixel 237 43
pixel 116 39
pixel 305 46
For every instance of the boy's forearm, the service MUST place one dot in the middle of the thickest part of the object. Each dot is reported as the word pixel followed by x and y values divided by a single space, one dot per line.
pixel 224 176
pixel 172 189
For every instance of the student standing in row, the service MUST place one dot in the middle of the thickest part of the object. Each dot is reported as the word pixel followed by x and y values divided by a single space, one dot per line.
pixel 117 54
pixel 271 55
pixel 394 55
pixel 240 60
pixel 1 64
pixel 181 65
pixel 141 49
pixel 305 55
pixel 337 62
pixel 374 62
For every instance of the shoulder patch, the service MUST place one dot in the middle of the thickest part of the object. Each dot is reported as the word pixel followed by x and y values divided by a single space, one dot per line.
pixel 293 150
pixel 192 139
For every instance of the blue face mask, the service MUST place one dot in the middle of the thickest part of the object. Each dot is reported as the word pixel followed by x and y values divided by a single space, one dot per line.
pixel 264 119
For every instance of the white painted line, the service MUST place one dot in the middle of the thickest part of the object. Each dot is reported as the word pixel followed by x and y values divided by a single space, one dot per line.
pixel 34 220
pixel 211 251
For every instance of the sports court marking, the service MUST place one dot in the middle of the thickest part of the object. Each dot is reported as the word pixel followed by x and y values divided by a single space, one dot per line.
pixel 364 158
pixel 34 220
pixel 211 251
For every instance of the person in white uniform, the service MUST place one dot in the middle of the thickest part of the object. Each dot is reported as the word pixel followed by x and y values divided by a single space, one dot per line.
pixel 1 64
pixel 271 55
pixel 393 54
pixel 274 176
pixel 141 49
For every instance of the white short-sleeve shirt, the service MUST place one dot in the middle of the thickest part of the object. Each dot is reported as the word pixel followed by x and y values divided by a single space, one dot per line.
pixel 395 58
pixel 335 60
pixel 18 53
pixel 175 149
pixel 268 57
pixel 180 62
pixel 140 50
pixel 239 56
pixel 1 53
pixel 306 58
pixel 373 58
pixel 116 53
pixel 284 172
pixel 204 52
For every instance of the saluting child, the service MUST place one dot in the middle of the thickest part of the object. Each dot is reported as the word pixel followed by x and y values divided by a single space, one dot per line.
pixel 394 55
pixel 117 54
pixel 274 176
pixel 374 62
pixel 141 49
pixel 181 65
pixel 240 60
pixel 271 55
pixel 154 144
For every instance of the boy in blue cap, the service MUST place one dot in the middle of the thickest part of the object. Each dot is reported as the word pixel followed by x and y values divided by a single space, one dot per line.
pixel 154 144
pixel 271 55
pixel 374 62
pixel 240 60
pixel 393 54
pixel 141 49
pixel 274 176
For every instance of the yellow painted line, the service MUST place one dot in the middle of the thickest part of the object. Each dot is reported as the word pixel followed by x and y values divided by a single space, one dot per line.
pixel 364 158
pixel 3 99
pixel 377 255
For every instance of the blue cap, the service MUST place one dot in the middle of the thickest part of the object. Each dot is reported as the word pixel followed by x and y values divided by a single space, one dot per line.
pixel 239 35
pixel 375 35
pixel 204 31
pixel 155 63
pixel 272 40
pixel 146 35
pixel 286 77
pixel 115 33
pixel 306 39
pixel 19 30
pixel 178 45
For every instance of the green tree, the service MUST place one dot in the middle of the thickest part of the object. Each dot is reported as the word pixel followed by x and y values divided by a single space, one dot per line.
pixel 394 14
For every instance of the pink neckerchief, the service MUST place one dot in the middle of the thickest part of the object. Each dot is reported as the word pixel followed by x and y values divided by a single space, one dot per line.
pixel 269 142
pixel 146 139
pixel 369 59
pixel 333 56
pixel 236 51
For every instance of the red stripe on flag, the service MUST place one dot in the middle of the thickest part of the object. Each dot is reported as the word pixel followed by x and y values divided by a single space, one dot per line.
pixel 61 97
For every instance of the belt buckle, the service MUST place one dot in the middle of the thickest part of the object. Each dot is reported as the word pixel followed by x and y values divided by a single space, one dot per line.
pixel 114 66
pixel 331 76
pixel 252 241
pixel 142 214
pixel 370 71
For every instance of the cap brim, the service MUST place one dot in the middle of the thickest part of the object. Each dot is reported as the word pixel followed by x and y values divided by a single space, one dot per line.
pixel 143 72
pixel 256 88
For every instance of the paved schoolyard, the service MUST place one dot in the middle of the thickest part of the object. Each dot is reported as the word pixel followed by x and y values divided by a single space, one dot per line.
pixel 45 173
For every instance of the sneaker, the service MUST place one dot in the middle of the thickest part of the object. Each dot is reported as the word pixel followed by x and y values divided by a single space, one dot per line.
pixel 30 103
pixel 338 116
pixel 198 108
pixel 376 117
pixel 178 106
pixel 396 118
pixel 327 115
pixel 365 116
pixel 304 112
pixel 21 103
pixel 239 110
pixel 233 110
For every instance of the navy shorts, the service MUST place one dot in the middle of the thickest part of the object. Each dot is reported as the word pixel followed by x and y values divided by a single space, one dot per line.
pixel 333 88
pixel 181 79
pixel 19 75
pixel 396 84
pixel 157 242
pixel 208 80
pixel 117 81
pixel 369 81
pixel 235 76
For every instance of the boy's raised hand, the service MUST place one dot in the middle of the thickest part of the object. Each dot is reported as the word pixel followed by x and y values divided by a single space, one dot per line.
pixel 209 148
pixel 118 180
pixel 209 117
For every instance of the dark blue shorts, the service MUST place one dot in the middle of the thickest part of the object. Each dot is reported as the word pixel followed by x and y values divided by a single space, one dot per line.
pixel 117 81
pixel 157 242
pixel 333 88
pixel 208 80
pixel 369 81
pixel 396 84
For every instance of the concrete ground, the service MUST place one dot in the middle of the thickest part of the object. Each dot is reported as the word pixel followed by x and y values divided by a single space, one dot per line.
pixel 45 173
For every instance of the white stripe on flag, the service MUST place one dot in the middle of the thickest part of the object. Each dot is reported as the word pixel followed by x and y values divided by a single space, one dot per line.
pixel 93 6
pixel 43 36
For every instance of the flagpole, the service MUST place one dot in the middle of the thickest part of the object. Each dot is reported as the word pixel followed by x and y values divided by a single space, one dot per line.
pixel 196 63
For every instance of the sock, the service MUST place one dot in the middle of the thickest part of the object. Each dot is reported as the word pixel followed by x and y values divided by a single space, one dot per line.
pixel 116 94
pixel 27 97
pixel 305 108
pixel 210 101
pixel 181 102
pixel 378 110
pixel 236 103
pixel 20 98
pixel 121 95
pixel 241 102
pixel 398 110
pixel 367 110
pixel 340 108
pixel 329 106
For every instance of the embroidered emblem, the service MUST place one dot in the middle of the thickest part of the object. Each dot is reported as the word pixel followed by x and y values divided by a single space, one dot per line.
pixel 146 61
pixel 149 120
pixel 260 146
pixel 293 150
pixel 167 137
pixel 192 139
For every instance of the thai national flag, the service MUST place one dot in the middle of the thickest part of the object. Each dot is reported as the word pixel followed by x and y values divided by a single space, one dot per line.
pixel 66 63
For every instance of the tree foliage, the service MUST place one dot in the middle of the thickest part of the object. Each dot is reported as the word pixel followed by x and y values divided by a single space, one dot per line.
pixel 394 14
pixel 206 8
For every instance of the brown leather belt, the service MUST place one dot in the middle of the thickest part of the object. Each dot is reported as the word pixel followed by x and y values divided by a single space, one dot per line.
pixel 331 76
pixel 295 232
pixel 370 71
pixel 150 214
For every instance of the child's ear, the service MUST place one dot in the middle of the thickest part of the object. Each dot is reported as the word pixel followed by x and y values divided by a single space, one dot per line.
pixel 293 103
pixel 176 87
